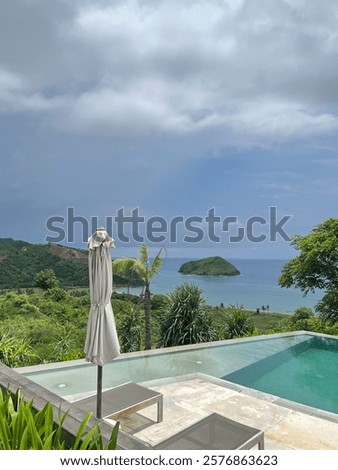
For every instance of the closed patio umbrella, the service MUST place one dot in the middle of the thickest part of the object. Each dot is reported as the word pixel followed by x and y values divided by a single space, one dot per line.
pixel 102 344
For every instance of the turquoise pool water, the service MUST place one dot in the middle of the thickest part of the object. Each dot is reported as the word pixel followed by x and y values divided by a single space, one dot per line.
pixel 306 373
pixel 301 368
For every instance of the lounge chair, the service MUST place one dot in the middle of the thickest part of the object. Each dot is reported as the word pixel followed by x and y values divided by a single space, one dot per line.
pixel 123 400
pixel 215 432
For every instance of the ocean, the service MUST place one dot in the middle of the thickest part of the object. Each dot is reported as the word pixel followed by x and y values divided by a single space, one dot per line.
pixel 256 286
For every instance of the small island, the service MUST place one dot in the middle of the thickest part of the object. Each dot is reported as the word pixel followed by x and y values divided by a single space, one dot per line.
pixel 212 266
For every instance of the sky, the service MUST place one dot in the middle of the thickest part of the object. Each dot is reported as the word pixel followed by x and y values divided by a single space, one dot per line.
pixel 214 122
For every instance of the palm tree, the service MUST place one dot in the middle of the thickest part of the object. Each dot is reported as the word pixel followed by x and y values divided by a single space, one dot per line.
pixel 125 266
pixel 146 271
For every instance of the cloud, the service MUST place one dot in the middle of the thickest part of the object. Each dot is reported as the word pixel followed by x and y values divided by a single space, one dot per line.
pixel 16 95
pixel 281 120
pixel 253 71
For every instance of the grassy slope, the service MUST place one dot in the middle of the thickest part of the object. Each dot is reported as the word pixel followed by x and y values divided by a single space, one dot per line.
pixel 263 321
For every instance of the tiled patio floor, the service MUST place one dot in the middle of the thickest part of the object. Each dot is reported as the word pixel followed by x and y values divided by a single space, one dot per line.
pixel 187 401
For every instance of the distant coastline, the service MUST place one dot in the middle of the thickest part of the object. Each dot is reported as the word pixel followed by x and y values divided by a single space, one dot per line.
pixel 256 286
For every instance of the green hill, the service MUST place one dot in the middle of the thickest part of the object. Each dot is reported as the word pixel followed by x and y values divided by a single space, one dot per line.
pixel 213 266
pixel 20 261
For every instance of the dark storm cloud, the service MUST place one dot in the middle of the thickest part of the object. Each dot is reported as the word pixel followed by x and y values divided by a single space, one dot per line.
pixel 262 69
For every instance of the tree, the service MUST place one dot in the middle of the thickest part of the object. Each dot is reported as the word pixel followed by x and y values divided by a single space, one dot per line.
pixel 301 319
pixel 238 322
pixel 302 313
pixel 316 267
pixel 46 279
pixel 125 266
pixel 186 320
pixel 146 271
pixel 328 306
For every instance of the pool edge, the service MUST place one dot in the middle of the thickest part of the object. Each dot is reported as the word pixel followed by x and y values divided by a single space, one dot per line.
pixel 173 349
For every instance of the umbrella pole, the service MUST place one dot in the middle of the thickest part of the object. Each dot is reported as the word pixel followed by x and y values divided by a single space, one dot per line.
pixel 99 392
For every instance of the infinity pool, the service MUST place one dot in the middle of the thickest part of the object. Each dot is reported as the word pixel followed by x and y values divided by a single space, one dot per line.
pixel 306 373
pixel 298 367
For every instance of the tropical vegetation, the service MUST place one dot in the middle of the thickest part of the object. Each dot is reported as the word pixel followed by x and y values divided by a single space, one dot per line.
pixel 186 318
pixel 238 322
pixel 46 279
pixel 146 270
pixel 22 428
pixel 50 326
pixel 21 261
pixel 316 267
pixel 48 322
pixel 212 266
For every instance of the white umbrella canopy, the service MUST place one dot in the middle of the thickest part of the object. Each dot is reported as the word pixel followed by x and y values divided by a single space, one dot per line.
pixel 102 344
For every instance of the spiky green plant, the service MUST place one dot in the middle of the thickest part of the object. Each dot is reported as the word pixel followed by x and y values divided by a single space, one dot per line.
pixel 21 428
pixel 129 327
pixel 238 322
pixel 186 320
pixel 16 351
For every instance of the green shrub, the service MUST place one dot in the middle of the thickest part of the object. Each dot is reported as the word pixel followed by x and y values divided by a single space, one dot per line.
pixel 16 351
pixel 129 327
pixel 159 301
pixel 135 299
pixel 57 294
pixel 238 322
pixel 186 319
pixel 302 313
pixel 23 429
pixel 46 279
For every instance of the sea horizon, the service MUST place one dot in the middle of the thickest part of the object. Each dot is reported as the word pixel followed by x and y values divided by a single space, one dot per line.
pixel 255 287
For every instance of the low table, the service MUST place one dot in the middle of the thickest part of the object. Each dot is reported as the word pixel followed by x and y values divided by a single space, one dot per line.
pixel 215 432
pixel 123 400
